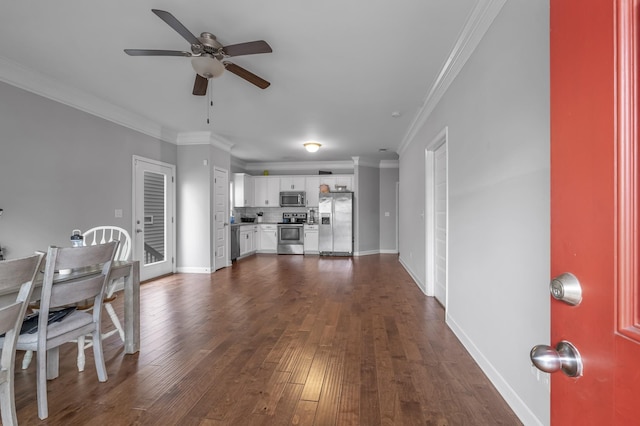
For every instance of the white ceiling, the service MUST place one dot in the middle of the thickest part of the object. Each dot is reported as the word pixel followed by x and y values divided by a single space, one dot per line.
pixel 338 70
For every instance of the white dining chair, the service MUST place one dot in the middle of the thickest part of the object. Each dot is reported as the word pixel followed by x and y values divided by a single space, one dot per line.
pixel 16 277
pixel 91 237
pixel 101 235
pixel 69 291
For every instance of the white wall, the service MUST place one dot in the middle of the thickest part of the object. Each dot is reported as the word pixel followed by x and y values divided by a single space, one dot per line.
pixel 195 205
pixel 193 209
pixel 61 168
pixel 497 114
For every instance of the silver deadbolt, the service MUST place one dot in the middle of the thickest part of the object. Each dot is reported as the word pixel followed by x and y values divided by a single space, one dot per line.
pixel 566 288
pixel 564 357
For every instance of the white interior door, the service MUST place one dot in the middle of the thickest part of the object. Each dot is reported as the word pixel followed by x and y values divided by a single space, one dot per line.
pixel 436 218
pixel 440 223
pixel 153 217
pixel 221 217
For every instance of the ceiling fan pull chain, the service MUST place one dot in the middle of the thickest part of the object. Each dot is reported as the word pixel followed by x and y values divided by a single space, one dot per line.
pixel 209 105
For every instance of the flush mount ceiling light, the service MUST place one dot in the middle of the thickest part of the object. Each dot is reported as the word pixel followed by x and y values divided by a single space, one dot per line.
pixel 312 146
pixel 207 66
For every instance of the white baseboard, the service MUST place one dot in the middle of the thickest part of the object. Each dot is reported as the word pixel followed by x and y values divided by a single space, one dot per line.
pixel 365 253
pixel 193 270
pixel 510 396
pixel 419 283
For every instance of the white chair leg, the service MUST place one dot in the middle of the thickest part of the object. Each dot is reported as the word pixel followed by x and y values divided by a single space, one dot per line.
pixel 41 379
pixel 28 355
pixel 7 402
pixel 115 320
pixel 101 368
pixel 81 358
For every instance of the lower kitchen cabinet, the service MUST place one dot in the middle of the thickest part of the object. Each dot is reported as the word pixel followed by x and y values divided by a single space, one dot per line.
pixel 311 239
pixel 267 238
pixel 248 239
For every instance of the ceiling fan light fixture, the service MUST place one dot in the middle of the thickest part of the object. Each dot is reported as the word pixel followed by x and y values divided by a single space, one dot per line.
pixel 207 66
pixel 312 146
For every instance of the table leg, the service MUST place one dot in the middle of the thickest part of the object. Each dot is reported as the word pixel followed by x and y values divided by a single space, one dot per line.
pixel 132 309
pixel 53 361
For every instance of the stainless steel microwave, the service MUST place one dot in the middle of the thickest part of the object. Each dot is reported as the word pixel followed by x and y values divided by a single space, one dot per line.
pixel 293 199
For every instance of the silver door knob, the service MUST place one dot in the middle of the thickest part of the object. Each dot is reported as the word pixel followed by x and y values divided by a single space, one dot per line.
pixel 138 231
pixel 564 357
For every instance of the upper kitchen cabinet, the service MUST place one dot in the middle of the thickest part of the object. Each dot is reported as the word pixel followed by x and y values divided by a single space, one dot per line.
pixel 312 189
pixel 267 191
pixel 243 192
pixel 292 183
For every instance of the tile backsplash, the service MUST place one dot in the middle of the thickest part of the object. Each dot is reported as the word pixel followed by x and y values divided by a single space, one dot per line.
pixel 270 214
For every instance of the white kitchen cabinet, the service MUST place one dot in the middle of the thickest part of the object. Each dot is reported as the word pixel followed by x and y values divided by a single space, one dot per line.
pixel 310 239
pixel 247 239
pixel 312 189
pixel 292 183
pixel 243 192
pixel 267 191
pixel 268 238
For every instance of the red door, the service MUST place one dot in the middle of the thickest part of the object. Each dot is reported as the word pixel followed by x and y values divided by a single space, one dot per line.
pixel 594 207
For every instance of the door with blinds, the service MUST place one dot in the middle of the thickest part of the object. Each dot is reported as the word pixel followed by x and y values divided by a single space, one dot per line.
pixel 154 212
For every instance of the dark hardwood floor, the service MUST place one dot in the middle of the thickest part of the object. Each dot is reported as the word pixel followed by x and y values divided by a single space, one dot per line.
pixel 278 340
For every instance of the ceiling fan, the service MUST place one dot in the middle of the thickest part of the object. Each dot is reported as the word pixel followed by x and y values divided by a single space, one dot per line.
pixel 208 55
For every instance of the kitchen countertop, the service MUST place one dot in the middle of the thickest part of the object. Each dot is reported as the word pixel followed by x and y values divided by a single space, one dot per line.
pixel 266 223
pixel 253 223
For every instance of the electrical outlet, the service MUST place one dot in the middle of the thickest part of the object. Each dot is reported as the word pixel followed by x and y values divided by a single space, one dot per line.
pixel 118 212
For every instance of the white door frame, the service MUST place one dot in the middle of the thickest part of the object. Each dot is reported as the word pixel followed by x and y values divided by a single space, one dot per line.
pixel 171 208
pixel 430 217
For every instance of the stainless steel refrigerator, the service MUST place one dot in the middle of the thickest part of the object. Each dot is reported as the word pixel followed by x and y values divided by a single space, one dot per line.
pixel 335 227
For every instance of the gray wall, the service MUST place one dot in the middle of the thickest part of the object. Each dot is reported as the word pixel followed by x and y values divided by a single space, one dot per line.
pixel 61 169
pixel 497 115
pixel 367 210
pixel 388 204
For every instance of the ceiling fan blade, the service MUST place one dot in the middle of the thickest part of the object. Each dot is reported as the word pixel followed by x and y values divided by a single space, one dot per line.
pixel 173 22
pixel 151 52
pixel 247 75
pixel 249 48
pixel 200 86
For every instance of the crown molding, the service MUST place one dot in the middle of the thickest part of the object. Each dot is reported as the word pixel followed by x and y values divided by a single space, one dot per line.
pixel 204 138
pixel 300 165
pixel 389 164
pixel 193 138
pixel 237 163
pixel 47 87
pixel 365 162
pixel 475 28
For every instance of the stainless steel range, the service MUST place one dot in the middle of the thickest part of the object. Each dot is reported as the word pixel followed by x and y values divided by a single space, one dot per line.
pixel 291 233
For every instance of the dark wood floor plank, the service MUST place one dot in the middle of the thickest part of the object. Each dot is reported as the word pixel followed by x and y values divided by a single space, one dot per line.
pixel 275 340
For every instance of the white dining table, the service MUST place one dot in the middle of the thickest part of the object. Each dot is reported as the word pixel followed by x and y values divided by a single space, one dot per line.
pixel 130 271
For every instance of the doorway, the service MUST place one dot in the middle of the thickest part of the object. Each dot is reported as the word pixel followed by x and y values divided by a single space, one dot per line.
pixel 436 217
pixel 153 217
